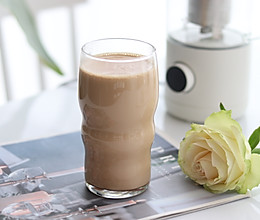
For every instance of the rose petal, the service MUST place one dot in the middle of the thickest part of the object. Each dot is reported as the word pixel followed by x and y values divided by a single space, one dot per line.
pixel 217 149
pixel 232 155
pixel 196 166
pixel 252 178
pixel 234 175
pixel 221 145
pixel 193 156
pixel 221 166
pixel 244 147
pixel 217 188
pixel 221 121
pixel 231 133
pixel 203 144
pixel 206 164
pixel 202 153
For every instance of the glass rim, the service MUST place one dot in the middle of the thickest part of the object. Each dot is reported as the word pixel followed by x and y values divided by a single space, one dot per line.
pixel 135 59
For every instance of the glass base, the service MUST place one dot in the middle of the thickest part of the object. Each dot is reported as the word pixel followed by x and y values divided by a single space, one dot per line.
pixel 116 194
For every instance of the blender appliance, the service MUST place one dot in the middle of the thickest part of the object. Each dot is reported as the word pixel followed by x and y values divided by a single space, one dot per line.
pixel 208 58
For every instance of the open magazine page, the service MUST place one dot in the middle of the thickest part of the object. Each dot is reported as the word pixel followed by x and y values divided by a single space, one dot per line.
pixel 44 178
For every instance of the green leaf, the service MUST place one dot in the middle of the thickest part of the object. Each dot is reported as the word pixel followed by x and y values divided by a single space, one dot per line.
pixel 254 138
pixel 25 19
pixel 221 106
pixel 256 151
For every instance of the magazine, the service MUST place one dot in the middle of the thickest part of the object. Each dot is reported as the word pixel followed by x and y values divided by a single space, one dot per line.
pixel 44 178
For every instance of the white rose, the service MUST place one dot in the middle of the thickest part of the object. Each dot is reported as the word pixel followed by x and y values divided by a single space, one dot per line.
pixel 217 155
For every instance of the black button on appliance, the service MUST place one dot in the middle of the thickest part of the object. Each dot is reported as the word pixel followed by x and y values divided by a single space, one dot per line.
pixel 176 79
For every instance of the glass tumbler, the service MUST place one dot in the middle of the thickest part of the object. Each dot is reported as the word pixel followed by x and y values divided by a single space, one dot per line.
pixel 118 94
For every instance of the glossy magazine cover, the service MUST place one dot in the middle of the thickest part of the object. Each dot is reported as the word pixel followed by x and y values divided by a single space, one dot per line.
pixel 44 178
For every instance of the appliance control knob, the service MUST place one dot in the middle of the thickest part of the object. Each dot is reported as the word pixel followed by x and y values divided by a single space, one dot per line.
pixel 180 78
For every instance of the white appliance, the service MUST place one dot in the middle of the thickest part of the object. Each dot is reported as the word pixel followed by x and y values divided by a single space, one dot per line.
pixel 208 58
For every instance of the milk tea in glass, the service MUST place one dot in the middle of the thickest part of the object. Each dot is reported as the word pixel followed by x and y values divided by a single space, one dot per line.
pixel 118 94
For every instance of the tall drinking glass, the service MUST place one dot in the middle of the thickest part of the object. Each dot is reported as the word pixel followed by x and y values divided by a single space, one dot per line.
pixel 118 93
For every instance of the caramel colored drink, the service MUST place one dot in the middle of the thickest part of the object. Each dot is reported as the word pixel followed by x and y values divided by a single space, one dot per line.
pixel 118 93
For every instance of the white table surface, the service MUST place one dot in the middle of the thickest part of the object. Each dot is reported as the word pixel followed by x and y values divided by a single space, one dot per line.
pixel 56 111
